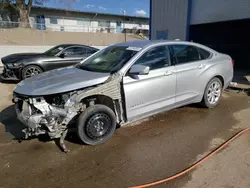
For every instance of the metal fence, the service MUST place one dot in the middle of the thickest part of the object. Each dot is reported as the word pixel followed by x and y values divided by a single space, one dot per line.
pixel 49 34
pixel 56 27
pixel 74 28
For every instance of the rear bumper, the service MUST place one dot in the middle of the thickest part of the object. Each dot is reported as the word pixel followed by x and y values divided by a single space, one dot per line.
pixel 229 79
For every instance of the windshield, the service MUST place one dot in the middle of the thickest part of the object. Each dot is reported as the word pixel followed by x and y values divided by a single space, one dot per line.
pixel 55 50
pixel 109 60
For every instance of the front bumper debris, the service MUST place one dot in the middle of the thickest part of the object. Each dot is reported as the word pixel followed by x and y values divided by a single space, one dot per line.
pixel 8 75
pixel 40 117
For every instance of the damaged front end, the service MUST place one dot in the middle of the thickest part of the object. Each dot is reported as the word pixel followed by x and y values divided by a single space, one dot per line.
pixel 53 114
pixel 9 74
pixel 46 115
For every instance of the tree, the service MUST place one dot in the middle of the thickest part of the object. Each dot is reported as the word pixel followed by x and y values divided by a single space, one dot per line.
pixel 23 9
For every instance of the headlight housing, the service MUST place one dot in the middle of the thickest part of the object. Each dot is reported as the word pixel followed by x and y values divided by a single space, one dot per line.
pixel 14 65
pixel 17 64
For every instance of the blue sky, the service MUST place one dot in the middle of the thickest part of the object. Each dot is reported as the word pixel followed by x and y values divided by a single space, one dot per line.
pixel 132 7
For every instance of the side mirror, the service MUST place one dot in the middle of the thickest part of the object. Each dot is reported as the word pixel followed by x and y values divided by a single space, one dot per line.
pixel 62 55
pixel 139 70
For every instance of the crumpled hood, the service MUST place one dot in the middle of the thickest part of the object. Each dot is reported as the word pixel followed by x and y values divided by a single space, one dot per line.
pixel 21 56
pixel 59 81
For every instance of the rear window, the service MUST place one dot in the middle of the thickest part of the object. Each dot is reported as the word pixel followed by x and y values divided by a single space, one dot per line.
pixel 185 53
pixel 204 54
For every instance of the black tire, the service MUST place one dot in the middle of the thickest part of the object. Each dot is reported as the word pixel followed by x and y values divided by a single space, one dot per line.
pixel 205 101
pixel 35 68
pixel 96 124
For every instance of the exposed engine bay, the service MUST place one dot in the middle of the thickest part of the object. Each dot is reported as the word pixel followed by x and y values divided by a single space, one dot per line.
pixel 46 115
pixel 53 114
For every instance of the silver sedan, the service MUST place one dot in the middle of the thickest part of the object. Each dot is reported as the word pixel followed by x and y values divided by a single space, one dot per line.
pixel 120 84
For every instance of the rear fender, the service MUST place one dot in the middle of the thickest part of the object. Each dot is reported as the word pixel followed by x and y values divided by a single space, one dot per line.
pixel 222 67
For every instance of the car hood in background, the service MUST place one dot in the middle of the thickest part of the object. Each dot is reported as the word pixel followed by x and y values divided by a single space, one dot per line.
pixel 60 81
pixel 22 56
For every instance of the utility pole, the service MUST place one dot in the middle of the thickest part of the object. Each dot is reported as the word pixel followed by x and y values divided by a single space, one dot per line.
pixel 124 19
pixel 92 19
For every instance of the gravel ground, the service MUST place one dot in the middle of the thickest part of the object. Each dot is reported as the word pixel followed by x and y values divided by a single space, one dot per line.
pixel 137 154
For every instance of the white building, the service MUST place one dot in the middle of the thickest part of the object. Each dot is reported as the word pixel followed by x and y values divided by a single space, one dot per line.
pixel 76 21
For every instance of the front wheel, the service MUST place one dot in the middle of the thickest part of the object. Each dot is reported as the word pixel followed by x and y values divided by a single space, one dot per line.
pixel 212 93
pixel 31 70
pixel 96 124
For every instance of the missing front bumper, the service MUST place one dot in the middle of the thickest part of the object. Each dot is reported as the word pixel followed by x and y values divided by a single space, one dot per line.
pixel 32 122
pixel 8 75
pixel 39 117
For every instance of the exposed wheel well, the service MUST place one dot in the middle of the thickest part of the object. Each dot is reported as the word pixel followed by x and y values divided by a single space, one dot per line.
pixel 221 79
pixel 99 99
pixel 34 65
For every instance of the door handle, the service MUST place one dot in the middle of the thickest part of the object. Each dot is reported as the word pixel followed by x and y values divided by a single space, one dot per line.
pixel 201 66
pixel 168 73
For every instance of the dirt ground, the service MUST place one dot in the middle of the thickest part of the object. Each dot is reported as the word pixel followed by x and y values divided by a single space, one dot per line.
pixel 136 154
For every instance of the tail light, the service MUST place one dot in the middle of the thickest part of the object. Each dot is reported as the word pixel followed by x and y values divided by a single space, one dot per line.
pixel 233 62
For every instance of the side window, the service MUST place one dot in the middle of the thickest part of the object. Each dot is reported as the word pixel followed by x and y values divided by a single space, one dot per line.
pixel 204 54
pixel 185 53
pixel 90 51
pixel 155 58
pixel 75 51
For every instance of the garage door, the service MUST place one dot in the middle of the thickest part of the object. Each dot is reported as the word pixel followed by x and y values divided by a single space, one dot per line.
pixel 231 37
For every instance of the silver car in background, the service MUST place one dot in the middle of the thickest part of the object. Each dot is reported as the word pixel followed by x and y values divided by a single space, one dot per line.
pixel 121 84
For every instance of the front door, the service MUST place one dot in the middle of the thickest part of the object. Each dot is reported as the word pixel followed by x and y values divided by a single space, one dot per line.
pixel 148 94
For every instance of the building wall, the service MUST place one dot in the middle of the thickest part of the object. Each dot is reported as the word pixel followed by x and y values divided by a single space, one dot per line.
pixel 136 25
pixel 87 22
pixel 63 13
pixel 76 24
pixel 169 18
pixel 207 11
pixel 73 21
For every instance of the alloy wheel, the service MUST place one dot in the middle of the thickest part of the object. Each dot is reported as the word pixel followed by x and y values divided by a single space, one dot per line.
pixel 214 92
pixel 31 71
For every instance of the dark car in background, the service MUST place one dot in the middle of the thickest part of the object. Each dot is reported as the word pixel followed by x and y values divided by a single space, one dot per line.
pixel 24 65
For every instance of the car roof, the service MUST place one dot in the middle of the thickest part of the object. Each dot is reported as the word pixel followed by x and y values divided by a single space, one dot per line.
pixel 69 45
pixel 147 43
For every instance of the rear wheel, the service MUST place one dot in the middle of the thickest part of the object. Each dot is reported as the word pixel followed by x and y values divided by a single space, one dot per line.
pixel 212 93
pixel 31 70
pixel 96 124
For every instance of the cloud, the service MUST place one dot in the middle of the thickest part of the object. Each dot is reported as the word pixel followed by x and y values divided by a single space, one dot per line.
pixel 102 8
pixel 140 12
pixel 89 6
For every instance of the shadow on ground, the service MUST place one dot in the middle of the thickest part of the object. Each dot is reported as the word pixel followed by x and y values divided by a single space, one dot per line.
pixel 13 126
pixel 11 123
pixel 8 81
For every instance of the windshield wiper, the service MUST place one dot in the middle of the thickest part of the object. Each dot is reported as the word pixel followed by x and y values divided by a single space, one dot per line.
pixel 85 68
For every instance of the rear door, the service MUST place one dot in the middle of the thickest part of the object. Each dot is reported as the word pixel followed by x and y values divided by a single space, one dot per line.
pixel 189 65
